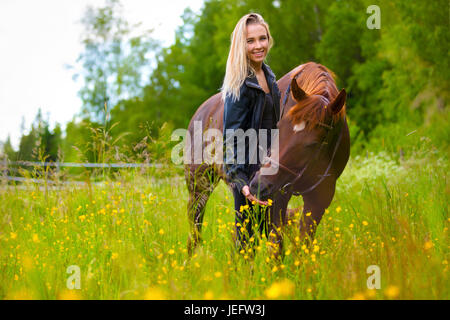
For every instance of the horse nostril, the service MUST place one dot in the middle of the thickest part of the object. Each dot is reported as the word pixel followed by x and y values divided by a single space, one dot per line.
pixel 253 187
pixel 264 188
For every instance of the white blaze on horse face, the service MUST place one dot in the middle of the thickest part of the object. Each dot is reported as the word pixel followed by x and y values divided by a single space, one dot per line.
pixel 300 126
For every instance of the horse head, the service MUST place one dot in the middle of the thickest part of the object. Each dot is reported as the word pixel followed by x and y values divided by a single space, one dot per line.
pixel 308 134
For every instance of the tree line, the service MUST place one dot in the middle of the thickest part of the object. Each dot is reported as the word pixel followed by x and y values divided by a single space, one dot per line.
pixel 135 91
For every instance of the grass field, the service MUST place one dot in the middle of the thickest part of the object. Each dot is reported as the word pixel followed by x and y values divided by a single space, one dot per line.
pixel 128 238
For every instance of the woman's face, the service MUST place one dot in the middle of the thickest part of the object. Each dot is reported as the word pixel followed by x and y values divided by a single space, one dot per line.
pixel 257 43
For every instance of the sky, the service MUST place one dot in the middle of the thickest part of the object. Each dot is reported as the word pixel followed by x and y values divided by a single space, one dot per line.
pixel 37 40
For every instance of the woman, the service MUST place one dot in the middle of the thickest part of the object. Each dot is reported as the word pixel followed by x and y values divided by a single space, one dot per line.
pixel 252 101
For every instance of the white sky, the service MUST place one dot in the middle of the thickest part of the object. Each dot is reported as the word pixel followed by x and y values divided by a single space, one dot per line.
pixel 37 38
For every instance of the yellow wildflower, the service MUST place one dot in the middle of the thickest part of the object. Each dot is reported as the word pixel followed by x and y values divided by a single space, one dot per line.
pixel 154 293
pixel 392 292
pixel 428 245
pixel 69 295
pixel 209 295
pixel 279 289
pixel 358 296
pixel 35 238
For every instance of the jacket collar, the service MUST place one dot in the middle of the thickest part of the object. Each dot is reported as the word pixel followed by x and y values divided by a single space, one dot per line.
pixel 251 81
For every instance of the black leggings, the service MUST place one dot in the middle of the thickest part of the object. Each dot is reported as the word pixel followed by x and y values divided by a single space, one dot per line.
pixel 244 220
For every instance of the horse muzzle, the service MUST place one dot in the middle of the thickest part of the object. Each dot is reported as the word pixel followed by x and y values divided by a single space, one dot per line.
pixel 261 187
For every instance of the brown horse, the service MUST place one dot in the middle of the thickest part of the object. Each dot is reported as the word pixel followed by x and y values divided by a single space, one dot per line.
pixel 314 149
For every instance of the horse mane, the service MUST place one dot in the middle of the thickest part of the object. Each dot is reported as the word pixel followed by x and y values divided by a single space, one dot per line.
pixel 318 82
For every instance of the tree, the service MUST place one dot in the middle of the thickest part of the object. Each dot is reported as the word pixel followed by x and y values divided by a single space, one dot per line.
pixel 8 150
pixel 113 62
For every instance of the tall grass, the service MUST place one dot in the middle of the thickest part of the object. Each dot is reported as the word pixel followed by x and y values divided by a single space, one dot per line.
pixel 128 232
pixel 128 236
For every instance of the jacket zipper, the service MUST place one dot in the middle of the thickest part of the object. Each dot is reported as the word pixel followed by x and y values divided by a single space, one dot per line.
pixel 274 104
pixel 262 111
pixel 260 123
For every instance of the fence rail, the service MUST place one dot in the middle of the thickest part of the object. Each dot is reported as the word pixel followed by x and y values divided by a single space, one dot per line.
pixel 11 166
pixel 34 180
pixel 85 164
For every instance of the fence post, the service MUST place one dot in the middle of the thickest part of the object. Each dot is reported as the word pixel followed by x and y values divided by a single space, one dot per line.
pixel 5 166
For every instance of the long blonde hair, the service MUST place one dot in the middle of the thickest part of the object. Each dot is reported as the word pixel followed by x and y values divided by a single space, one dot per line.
pixel 238 64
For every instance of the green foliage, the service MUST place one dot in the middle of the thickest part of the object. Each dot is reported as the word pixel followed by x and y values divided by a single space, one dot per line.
pixel 396 76
pixel 8 150
pixel 40 140
pixel 113 61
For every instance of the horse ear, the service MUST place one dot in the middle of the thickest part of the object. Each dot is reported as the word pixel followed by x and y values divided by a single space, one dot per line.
pixel 297 92
pixel 338 102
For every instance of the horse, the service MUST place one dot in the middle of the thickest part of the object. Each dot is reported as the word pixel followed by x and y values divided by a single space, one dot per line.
pixel 314 152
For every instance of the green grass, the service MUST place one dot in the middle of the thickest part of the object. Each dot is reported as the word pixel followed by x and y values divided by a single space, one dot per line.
pixel 129 240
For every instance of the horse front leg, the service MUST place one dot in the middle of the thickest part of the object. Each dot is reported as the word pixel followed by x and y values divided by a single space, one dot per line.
pixel 314 207
pixel 276 218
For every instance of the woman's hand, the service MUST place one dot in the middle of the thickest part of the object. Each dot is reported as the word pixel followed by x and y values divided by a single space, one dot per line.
pixel 246 192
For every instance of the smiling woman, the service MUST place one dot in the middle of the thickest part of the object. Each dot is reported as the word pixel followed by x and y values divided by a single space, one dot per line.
pixel 251 101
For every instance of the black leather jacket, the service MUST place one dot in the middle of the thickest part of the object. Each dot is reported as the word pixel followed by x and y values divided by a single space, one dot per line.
pixel 246 113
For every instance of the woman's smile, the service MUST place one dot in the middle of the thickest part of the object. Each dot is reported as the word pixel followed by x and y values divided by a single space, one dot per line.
pixel 257 43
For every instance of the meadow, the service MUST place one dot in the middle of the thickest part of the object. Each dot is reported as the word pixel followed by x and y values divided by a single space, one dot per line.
pixel 128 236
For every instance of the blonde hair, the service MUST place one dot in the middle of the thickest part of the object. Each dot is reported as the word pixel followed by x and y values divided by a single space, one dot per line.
pixel 238 63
